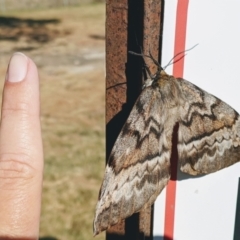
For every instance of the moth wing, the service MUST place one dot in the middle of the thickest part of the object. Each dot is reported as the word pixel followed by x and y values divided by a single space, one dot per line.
pixel 138 167
pixel 209 132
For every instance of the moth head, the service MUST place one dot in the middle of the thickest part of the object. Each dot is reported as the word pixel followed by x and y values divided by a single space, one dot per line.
pixel 148 82
pixel 168 88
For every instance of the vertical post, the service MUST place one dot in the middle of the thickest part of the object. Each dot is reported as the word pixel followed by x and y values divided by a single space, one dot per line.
pixel 237 217
pixel 131 25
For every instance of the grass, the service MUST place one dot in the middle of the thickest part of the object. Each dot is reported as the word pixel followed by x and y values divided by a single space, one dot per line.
pixel 73 110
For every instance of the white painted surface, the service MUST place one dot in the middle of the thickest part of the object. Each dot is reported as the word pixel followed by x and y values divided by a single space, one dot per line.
pixel 205 206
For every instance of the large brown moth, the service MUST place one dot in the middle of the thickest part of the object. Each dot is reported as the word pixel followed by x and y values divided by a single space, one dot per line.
pixel 139 165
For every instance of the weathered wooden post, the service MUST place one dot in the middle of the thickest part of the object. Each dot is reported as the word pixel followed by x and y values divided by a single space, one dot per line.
pixel 130 26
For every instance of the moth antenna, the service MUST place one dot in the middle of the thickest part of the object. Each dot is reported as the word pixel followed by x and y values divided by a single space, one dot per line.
pixel 147 69
pixel 182 52
pixel 147 56
pixel 155 61
pixel 145 65
pixel 138 54
pixel 118 84
pixel 159 67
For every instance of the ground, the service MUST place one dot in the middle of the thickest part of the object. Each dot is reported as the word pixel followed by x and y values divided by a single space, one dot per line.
pixel 68 46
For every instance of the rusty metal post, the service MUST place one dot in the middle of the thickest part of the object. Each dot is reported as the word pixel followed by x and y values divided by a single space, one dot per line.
pixel 131 25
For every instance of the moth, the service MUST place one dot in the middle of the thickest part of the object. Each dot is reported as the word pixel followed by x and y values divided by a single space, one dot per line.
pixel 139 165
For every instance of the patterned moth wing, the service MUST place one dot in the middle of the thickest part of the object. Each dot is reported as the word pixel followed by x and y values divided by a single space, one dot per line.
pixel 139 165
pixel 209 132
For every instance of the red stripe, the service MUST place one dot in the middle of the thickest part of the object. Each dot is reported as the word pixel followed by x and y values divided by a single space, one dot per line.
pixel 180 39
pixel 180 36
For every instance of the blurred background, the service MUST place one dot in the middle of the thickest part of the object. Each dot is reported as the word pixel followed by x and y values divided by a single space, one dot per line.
pixel 66 39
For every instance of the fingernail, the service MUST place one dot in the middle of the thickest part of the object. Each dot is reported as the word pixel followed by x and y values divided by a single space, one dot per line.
pixel 17 68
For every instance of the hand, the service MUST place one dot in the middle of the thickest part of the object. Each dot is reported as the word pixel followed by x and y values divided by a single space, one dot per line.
pixel 21 154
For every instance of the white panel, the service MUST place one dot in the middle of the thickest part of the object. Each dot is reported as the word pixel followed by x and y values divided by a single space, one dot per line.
pixel 205 206
pixel 214 64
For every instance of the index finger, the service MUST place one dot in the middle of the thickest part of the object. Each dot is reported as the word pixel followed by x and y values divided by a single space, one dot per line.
pixel 21 154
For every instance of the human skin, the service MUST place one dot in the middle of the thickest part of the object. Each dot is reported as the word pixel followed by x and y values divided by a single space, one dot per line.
pixel 21 153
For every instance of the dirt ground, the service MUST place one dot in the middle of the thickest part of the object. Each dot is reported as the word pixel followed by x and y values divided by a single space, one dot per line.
pixel 68 46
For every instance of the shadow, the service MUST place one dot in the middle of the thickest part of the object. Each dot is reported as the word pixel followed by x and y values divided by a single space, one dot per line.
pixel 124 237
pixel 132 227
pixel 161 238
pixel 134 65
pixel 48 238
pixel 22 49
pixel 176 173
pixel 131 230
pixel 12 29
pixel 114 127
pixel 97 37
pixel 113 236
pixel 174 155
pixel 26 238
pixel 185 176
pixel 13 22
